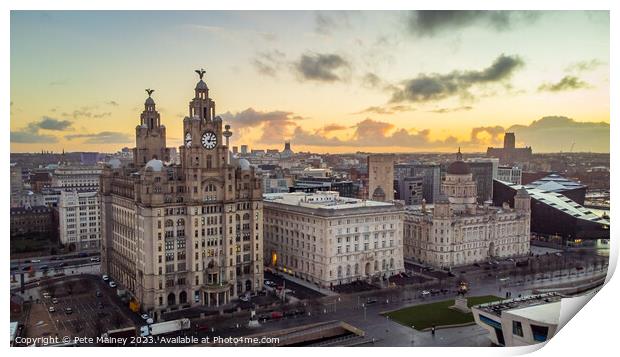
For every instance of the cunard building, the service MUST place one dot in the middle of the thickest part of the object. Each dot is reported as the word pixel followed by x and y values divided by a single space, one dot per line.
pixel 187 235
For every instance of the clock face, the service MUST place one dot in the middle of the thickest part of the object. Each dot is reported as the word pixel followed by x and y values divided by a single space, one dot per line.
pixel 188 140
pixel 209 140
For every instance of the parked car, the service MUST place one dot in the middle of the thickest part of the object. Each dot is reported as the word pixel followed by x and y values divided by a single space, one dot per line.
pixel 579 268
pixel 425 293
pixel 43 267
pixel 26 268
pixel 276 315
pixel 54 301
pixel 264 317
pixel 82 255
pixel 371 301
pixel 63 264
pixel 35 261
pixel 46 295
pixel 68 310
pixel 94 259
pixel 51 309
pixel 105 278
pixel 112 284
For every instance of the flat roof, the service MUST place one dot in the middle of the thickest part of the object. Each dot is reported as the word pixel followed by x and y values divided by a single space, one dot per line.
pixel 548 313
pixel 520 306
pixel 324 199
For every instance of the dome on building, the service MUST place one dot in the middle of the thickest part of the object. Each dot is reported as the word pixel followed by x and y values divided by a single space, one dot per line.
pixel 114 163
pixel 155 165
pixel 201 85
pixel 244 164
pixel 458 168
pixel 149 101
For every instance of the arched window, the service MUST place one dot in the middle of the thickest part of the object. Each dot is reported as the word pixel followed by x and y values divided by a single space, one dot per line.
pixel 169 223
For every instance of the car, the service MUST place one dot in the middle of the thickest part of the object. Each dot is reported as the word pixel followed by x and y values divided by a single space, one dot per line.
pixel 94 259
pixel 202 326
pixel 26 268
pixel 54 301
pixel 579 268
pixel 144 316
pixel 100 305
pixel 43 267
pixel 370 301
pixel 558 254
pixel 51 309
pixel 276 315
pixel 98 294
pixel 54 258
pixel 149 321
pixel 68 310
pixel 112 284
pixel 46 295
pixel 425 293
pixel 244 298
pixel 35 261
pixel 14 267
pixel 435 291
pixel 504 279
pixel 105 278
pixel 82 255
pixel 264 317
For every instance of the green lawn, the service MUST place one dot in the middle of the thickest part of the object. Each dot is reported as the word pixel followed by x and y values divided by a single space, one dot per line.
pixel 437 314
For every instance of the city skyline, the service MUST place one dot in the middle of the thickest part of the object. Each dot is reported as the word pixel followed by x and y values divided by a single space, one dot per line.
pixel 372 81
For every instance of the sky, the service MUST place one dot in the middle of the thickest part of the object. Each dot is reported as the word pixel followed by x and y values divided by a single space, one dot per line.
pixel 328 81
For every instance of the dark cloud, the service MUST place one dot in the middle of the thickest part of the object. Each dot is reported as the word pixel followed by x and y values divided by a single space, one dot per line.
pixel 384 110
pixel 275 125
pixel 269 63
pixel 322 67
pixel 48 123
pixel 557 133
pixel 436 86
pixel 373 81
pixel 584 66
pixel 328 22
pixel 565 84
pixel 27 137
pixel 87 112
pixel 104 137
pixel 31 133
pixel 427 23
pixel 451 110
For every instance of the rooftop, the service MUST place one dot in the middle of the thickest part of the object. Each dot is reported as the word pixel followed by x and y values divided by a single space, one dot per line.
pixel 542 307
pixel 321 200
pixel 555 183
pixel 560 202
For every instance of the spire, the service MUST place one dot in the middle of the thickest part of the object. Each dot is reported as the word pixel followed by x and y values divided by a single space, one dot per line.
pixel 459 156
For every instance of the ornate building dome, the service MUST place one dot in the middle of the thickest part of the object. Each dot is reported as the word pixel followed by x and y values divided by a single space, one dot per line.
pixel 459 167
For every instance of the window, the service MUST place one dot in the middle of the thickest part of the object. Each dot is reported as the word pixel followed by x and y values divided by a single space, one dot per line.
pixel 517 329
pixel 540 333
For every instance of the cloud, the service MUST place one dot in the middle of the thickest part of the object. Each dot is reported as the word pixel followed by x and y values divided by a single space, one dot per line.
pixel 112 103
pixel 332 127
pixel 26 137
pixel 86 112
pixel 429 23
pixel 322 67
pixel 451 110
pixel 565 84
pixel 48 123
pixel 269 63
pixel 584 66
pixel 275 125
pixel 31 133
pixel 326 23
pixel 384 110
pixel 556 133
pixel 433 87
pixel 104 137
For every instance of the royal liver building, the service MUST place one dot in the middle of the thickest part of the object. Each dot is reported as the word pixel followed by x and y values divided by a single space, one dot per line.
pixel 179 236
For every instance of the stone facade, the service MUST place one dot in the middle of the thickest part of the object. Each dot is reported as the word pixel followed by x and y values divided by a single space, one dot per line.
pixel 381 177
pixel 178 236
pixel 457 231
pixel 79 220
pixel 329 240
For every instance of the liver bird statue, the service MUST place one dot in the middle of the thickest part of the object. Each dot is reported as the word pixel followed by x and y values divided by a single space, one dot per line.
pixel 201 72
pixel 150 91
